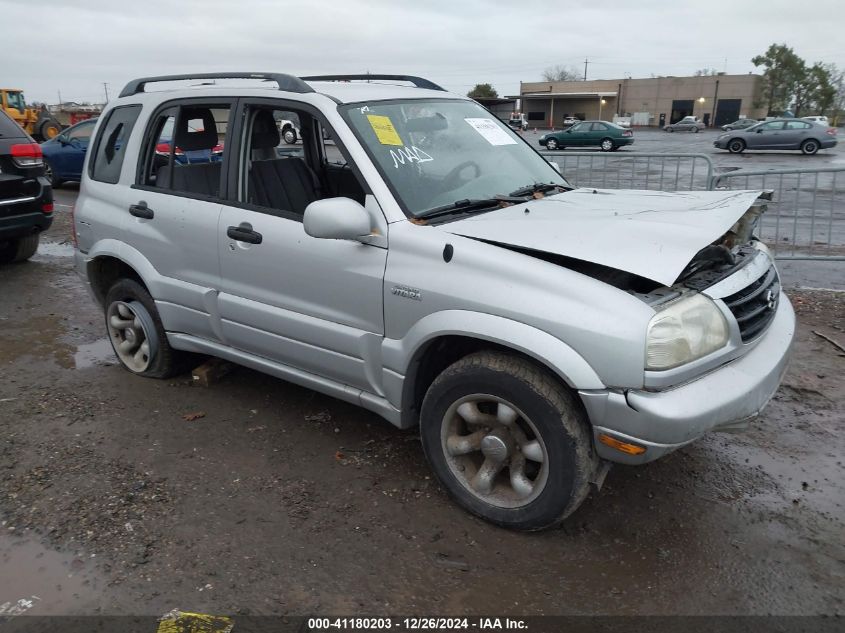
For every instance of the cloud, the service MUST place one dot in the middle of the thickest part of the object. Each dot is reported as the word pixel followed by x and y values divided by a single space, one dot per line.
pixel 77 46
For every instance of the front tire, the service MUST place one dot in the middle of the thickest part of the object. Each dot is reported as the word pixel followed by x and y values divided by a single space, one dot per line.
pixel 137 335
pixel 507 440
pixel 49 129
pixel 551 144
pixel 55 181
pixel 289 135
pixel 736 146
pixel 809 147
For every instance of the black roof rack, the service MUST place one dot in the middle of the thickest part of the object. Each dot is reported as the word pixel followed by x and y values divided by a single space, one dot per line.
pixel 288 83
pixel 419 82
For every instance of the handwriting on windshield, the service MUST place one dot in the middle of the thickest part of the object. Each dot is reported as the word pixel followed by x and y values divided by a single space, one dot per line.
pixel 408 155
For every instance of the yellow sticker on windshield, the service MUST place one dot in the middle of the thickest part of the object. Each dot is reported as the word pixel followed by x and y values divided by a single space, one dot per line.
pixel 385 132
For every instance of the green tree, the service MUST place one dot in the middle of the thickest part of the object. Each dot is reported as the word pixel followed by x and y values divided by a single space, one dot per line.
pixel 783 71
pixel 814 91
pixel 837 84
pixel 483 91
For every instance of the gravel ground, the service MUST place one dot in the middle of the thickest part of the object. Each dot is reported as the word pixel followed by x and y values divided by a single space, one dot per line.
pixel 125 495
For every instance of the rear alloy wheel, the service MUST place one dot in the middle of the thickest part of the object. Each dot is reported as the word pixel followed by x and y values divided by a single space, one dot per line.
pixel 670 129
pixel 551 144
pixel 606 145
pixel 289 134
pixel 136 333
pixel 809 147
pixel 507 440
pixel 736 146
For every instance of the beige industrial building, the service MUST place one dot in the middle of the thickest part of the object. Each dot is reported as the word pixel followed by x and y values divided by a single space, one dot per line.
pixel 715 99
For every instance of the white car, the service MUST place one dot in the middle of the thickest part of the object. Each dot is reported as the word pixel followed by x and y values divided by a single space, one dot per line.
pixel 821 120
pixel 570 120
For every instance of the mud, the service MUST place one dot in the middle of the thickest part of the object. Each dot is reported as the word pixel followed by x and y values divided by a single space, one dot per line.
pixel 280 500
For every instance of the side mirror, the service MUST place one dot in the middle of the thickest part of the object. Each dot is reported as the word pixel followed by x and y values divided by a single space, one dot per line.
pixel 336 219
pixel 63 140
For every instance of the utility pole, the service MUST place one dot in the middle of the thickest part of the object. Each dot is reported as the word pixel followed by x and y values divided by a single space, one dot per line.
pixel 586 61
pixel 106 89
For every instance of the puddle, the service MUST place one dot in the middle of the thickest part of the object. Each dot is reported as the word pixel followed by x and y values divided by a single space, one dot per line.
pixel 55 249
pixel 98 353
pixel 35 580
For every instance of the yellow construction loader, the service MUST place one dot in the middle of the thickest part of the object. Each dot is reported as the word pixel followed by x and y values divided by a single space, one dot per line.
pixel 38 123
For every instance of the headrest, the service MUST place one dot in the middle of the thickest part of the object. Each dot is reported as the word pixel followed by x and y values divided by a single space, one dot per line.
pixel 196 130
pixel 265 131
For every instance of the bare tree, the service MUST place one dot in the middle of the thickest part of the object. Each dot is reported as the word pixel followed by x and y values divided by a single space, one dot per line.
pixel 560 72
pixel 706 72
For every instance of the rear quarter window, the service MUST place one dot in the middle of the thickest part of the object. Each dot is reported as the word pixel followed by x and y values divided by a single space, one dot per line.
pixel 112 139
pixel 8 128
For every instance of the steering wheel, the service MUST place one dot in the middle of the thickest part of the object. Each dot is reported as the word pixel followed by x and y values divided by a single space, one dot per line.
pixel 453 179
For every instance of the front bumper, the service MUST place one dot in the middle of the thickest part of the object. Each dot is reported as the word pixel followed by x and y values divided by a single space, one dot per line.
pixel 724 399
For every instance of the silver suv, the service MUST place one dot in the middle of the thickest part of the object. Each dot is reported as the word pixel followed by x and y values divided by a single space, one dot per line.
pixel 415 256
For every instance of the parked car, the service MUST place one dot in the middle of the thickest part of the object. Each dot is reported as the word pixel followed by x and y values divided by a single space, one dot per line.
pixel 779 134
pixel 518 122
pixel 65 153
pixel 687 124
pixel 445 277
pixel 570 121
pixel 26 199
pixel 821 120
pixel 739 124
pixel 604 134
pixel 622 121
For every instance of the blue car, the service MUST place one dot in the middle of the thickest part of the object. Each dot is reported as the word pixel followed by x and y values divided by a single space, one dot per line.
pixel 65 153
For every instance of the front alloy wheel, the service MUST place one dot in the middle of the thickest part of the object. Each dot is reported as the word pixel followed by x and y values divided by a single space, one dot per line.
pixel 551 144
pixel 483 437
pixel 507 440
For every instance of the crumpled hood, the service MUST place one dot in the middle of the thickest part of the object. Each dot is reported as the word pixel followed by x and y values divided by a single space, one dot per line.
pixel 653 234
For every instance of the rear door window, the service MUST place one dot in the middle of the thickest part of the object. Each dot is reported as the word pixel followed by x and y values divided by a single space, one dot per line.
pixel 111 144
pixel 8 127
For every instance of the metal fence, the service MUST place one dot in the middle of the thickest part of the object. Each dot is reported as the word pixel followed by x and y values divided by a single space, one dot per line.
pixel 805 218
pixel 660 172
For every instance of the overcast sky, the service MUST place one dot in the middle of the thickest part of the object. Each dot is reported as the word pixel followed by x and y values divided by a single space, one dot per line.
pixel 74 46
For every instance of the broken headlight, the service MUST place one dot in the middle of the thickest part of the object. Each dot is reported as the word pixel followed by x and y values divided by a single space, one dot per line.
pixel 683 331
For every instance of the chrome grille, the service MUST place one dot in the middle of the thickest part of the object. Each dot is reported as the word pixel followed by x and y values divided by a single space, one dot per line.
pixel 755 305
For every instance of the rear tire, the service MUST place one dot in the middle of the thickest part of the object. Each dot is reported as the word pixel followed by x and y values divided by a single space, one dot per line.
pixel 606 145
pixel 289 135
pixel 695 129
pixel 508 441
pixel 809 147
pixel 736 146
pixel 137 335
pixel 670 129
pixel 20 249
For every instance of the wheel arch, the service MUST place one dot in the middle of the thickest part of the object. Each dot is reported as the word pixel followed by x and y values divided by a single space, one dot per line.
pixel 105 265
pixel 426 351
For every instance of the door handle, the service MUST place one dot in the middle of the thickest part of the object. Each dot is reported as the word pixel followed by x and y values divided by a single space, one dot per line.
pixel 141 210
pixel 244 233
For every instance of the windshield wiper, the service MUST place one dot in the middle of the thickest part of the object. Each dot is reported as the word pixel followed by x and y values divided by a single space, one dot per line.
pixel 537 187
pixel 460 206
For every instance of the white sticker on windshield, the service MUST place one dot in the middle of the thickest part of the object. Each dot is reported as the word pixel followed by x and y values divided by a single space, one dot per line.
pixel 491 131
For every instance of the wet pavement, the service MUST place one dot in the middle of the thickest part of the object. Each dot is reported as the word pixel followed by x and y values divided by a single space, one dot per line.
pixel 278 500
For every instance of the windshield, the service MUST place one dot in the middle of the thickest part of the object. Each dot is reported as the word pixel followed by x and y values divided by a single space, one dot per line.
pixel 433 153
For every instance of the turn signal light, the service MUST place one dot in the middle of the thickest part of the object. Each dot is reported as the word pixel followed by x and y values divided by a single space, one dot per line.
pixel 630 449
